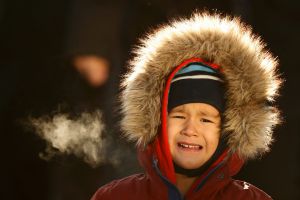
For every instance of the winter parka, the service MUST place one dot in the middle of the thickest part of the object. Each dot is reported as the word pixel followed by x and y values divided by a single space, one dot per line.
pixel 152 185
pixel 251 82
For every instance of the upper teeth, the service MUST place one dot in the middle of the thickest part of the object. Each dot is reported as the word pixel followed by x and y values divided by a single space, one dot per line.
pixel 190 146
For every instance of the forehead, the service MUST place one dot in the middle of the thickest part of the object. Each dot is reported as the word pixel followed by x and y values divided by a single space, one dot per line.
pixel 199 108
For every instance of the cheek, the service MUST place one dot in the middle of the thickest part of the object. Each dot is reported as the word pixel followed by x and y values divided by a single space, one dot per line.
pixel 170 133
pixel 172 130
pixel 212 138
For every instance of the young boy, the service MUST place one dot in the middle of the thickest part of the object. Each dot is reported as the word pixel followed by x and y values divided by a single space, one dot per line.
pixel 196 102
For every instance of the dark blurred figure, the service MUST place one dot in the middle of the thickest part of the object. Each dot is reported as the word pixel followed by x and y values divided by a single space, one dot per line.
pixel 90 82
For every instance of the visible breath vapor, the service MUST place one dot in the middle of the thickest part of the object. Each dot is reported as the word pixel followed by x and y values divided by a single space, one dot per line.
pixel 82 136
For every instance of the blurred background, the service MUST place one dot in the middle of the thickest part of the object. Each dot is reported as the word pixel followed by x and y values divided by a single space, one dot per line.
pixel 67 56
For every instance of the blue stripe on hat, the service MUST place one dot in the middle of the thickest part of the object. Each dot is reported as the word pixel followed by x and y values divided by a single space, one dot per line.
pixel 195 67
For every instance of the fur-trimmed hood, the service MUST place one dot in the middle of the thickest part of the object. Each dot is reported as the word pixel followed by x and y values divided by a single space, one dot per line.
pixel 249 70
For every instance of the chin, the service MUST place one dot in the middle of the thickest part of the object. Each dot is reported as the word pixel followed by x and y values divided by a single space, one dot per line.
pixel 190 165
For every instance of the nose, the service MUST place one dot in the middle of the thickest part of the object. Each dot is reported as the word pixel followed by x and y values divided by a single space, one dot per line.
pixel 189 129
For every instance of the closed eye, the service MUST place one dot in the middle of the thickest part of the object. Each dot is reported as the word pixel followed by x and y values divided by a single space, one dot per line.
pixel 206 120
pixel 178 116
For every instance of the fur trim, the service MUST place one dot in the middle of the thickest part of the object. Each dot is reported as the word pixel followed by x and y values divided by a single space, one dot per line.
pixel 249 69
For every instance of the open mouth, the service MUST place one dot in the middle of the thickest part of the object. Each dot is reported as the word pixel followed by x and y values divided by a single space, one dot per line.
pixel 189 146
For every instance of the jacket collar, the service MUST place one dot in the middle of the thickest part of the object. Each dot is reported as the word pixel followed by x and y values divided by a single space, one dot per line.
pixel 210 181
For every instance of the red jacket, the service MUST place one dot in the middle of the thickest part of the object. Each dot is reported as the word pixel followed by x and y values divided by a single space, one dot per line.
pixel 217 184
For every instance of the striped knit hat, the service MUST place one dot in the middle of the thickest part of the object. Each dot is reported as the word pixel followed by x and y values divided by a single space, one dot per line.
pixel 197 83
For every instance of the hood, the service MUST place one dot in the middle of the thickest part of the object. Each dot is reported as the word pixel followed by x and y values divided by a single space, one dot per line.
pixel 249 70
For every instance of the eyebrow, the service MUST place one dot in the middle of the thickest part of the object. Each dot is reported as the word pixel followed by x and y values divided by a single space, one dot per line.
pixel 177 110
pixel 209 115
pixel 201 112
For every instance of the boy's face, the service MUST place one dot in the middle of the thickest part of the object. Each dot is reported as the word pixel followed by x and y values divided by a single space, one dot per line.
pixel 193 133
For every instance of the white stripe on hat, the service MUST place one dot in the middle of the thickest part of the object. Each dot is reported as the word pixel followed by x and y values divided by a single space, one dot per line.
pixel 198 77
